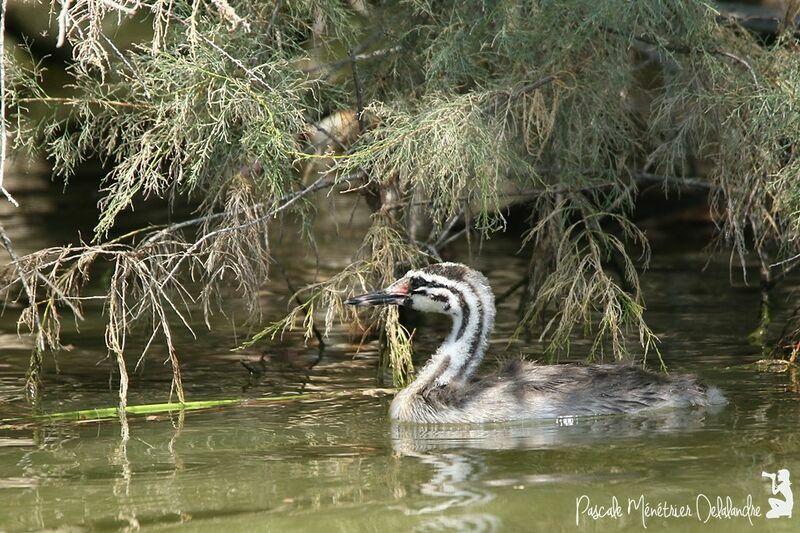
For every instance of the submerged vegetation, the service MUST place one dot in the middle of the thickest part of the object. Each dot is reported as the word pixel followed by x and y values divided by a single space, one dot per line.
pixel 440 115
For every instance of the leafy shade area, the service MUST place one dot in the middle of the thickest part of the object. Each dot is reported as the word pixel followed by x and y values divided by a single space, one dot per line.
pixel 441 114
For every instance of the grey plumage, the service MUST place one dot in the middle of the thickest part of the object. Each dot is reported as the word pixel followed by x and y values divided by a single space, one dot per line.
pixel 446 392
pixel 522 391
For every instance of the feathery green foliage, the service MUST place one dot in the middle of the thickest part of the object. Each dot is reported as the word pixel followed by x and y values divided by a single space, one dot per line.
pixel 440 113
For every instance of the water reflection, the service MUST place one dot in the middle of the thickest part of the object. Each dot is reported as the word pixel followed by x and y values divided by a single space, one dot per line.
pixel 452 490
pixel 476 523
pixel 269 370
pixel 458 485
pixel 416 439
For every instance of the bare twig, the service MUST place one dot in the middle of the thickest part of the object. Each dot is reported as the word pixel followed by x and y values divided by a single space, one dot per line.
pixel 115 335
pixel 3 139
pixel 682 49
pixel 501 99
pixel 359 92
pixel 61 296
pixel 783 262
pixel 742 62
pixel 444 231
pixel 302 305
pixel 357 57
pixel 453 237
pixel 327 133
pixel 511 290
pixel 273 17
pixel 141 282
pixel 35 367
pixel 119 7
pixel 128 64
pixel 284 202
pixel 63 21
pixel 37 326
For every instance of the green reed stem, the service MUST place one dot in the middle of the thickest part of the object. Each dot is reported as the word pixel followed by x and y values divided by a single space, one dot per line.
pixel 158 408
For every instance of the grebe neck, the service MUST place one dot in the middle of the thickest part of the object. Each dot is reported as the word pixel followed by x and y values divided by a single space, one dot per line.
pixel 459 356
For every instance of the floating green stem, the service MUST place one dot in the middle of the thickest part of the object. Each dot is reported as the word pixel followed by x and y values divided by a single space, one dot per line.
pixel 159 408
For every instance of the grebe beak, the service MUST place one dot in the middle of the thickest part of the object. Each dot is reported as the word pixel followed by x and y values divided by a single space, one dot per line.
pixel 377 298
pixel 395 294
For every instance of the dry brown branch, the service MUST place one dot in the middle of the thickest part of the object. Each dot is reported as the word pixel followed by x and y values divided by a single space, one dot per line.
pixel 145 285
pixel 3 136
pixel 504 98
pixel 31 315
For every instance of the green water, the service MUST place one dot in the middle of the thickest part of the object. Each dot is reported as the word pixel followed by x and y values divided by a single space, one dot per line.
pixel 336 463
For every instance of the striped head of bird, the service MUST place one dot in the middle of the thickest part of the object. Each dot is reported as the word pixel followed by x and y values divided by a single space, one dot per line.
pixel 446 288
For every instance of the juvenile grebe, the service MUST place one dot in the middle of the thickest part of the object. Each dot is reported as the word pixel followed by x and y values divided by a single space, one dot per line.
pixel 446 392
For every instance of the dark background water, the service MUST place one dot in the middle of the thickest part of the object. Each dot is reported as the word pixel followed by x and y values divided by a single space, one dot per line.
pixel 335 462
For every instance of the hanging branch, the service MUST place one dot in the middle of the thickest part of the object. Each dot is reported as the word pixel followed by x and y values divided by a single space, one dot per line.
pixel 35 367
pixel 296 296
pixel 359 92
pixel 3 131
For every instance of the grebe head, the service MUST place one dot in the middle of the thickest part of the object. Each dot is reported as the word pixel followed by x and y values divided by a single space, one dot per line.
pixel 441 288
